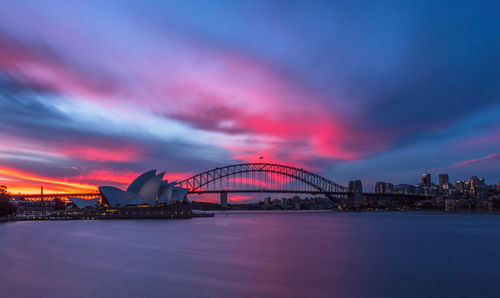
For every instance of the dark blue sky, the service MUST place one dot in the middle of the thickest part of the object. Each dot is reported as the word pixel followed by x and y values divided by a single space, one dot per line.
pixel 93 93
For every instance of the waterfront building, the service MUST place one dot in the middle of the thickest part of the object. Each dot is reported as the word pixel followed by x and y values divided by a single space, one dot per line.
pixel 147 190
pixel 148 196
pixel 284 203
pixel 459 186
pixel 447 188
pixel 355 186
pixel 426 179
pixel 477 186
pixel 356 198
pixel 267 202
pixel 443 179
pixel 406 189
pixel 380 187
pixel 389 188
pixel 384 187
pixel 466 188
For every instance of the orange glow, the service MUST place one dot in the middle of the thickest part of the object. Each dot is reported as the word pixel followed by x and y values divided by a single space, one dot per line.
pixel 23 182
pixel 27 183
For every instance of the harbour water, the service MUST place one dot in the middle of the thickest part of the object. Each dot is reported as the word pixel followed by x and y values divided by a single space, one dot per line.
pixel 255 254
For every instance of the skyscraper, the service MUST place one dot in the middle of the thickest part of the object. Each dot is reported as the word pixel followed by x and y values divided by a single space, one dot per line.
pixel 389 188
pixel 380 187
pixel 356 198
pixel 443 179
pixel 384 187
pixel 426 179
pixel 459 186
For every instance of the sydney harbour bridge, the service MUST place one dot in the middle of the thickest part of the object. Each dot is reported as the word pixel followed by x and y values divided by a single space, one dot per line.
pixel 256 178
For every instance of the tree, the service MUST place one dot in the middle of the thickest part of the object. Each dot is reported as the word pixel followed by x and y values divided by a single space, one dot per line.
pixel 59 204
pixel 3 192
pixel 6 208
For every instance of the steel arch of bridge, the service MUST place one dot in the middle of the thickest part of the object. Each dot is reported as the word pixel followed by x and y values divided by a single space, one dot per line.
pixel 319 184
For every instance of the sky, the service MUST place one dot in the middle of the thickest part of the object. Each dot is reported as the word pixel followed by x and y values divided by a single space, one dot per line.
pixel 97 92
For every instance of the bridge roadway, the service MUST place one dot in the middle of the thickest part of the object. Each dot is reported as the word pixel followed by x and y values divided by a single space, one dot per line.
pixel 366 195
pixel 52 196
pixel 199 192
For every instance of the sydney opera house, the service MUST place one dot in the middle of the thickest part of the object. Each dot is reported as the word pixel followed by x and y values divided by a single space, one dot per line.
pixel 149 190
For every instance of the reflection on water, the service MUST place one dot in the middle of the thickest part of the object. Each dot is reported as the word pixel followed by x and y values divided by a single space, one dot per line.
pixel 250 254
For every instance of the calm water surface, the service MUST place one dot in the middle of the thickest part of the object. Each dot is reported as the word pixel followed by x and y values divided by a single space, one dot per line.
pixel 255 254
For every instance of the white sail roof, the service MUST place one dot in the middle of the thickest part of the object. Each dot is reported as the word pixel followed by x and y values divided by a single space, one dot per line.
pixel 139 182
pixel 179 194
pixel 166 194
pixel 82 203
pixel 150 189
pixel 116 196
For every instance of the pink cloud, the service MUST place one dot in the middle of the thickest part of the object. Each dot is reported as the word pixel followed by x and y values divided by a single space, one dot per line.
pixel 274 180
pixel 41 64
pixel 210 88
pixel 486 140
pixel 108 153
pixel 492 156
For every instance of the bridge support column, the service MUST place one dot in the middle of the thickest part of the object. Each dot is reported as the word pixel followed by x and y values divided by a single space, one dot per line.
pixel 223 199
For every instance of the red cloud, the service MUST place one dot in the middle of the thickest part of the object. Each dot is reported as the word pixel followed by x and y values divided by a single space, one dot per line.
pixel 259 107
pixel 110 153
pixel 274 181
pixel 492 156
pixel 245 97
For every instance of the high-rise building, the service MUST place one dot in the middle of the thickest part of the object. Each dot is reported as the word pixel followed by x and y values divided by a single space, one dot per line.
pixel 284 203
pixel 380 187
pixel 389 188
pixel 477 185
pixel 404 189
pixel 447 188
pixel 356 198
pixel 355 186
pixel 426 179
pixel 384 187
pixel 443 179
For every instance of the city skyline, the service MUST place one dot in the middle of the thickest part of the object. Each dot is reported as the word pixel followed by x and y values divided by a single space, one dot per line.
pixel 370 91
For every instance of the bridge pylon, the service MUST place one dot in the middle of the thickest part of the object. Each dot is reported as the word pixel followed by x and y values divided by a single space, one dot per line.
pixel 223 199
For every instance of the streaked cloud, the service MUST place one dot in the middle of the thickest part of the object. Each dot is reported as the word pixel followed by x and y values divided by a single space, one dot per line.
pixel 490 157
